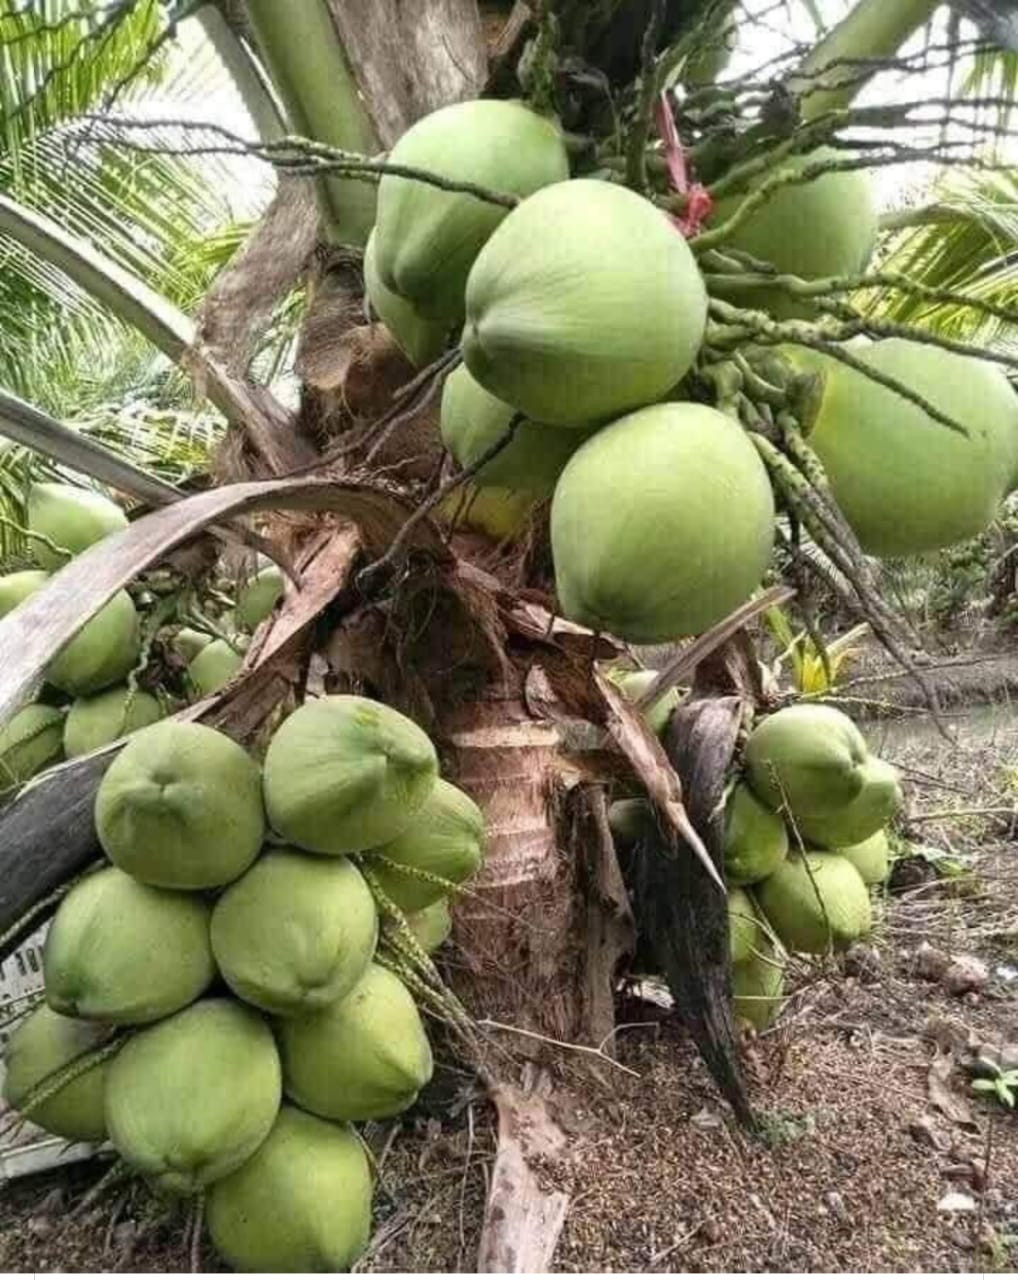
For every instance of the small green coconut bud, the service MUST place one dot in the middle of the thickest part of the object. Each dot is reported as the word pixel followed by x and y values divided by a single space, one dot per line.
pixel 302 1203
pixel 29 742
pixel 473 421
pixel 189 642
pixel 755 841
pixel 426 239
pixel 432 925
pixel 295 932
pixel 631 821
pixel 213 667
pixel 259 596
pixel 806 760
pixel 634 684
pixel 586 303
pixel 16 587
pixel 758 985
pixel 103 652
pixel 363 1058
pixel 181 807
pixel 344 774
pixel 123 952
pixel 870 857
pixel 444 839
pixel 661 524
pixel 190 1099
pixel 71 518
pixel 105 717
pixel 44 1044
pixel 816 902
pixel 421 340
pixel 743 926
pixel 878 800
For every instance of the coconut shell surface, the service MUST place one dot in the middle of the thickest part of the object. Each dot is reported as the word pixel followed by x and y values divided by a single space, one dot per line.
pixel 213 667
pixel 102 653
pixel 95 721
pixel 30 741
pixel 879 799
pixel 756 839
pixel 70 517
pixel 421 340
pixel 816 902
pixel 806 760
pixel 758 985
pixel 870 857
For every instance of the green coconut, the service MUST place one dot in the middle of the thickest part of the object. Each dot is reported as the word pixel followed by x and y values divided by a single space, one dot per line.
pixel 42 1045
pixel 71 518
pixel 301 1203
pixel 363 1058
pixel 103 652
pixel 631 821
pixel 123 952
pixel 744 932
pixel 499 514
pixel 190 1099
pixel 344 774
pixel 432 925
pixel 585 303
pixel 31 741
pixel 426 239
pixel 473 421
pixel 816 902
pixel 94 721
pixel 870 857
pixel 421 340
pixel 879 799
pixel 634 684
pixel 213 667
pixel 756 839
pixel 906 482
pixel 445 839
pixel 295 932
pixel 259 596
pixel 661 524
pixel 16 587
pixel 181 807
pixel 189 642
pixel 806 760
pixel 817 229
pixel 758 985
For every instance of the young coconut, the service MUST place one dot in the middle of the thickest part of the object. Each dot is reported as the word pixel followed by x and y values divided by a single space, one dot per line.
pixel 103 652
pixel 181 807
pixel 16 587
pixel 189 642
pixel 585 303
pixel 190 1099
pixel 661 524
pixel 70 517
pixel 445 839
pixel 879 799
pixel 363 1058
pixel 473 421
pixel 744 932
pixel 259 596
pixel 344 774
pixel 213 667
pixel 123 952
pixel 500 514
pixel 634 684
pixel 44 1044
pixel 426 239
pixel 94 721
pixel 816 902
pixel 806 759
pixel 432 925
pixel 30 742
pixel 301 1203
pixel 758 986
pixel 870 857
pixel 755 841
pixel 296 932
pixel 421 340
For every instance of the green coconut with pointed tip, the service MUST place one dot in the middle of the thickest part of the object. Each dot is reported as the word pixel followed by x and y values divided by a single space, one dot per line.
pixel 302 1203
pixel 259 596
pixel 295 932
pixel 122 952
pixel 585 304
pixel 17 587
pixel 906 482
pixel 181 807
pixel 30 742
pixel 432 925
pixel 43 1044
pixel 213 667
pixel 744 933
pixel 634 684
pixel 189 642
pixel 758 986
pixel 661 524
pixel 426 239
pixel 363 1058
pixel 870 857
pixel 755 840
pixel 806 760
pixel 344 774
pixel 421 339
pixel 816 902
pixel 815 229
pixel 879 799
pixel 473 421
pixel 94 721
pixel 71 518
pixel 445 839
pixel 189 1099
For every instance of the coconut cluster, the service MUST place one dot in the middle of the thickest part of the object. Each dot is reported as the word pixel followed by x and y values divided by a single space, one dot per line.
pixel 216 1005
pixel 805 837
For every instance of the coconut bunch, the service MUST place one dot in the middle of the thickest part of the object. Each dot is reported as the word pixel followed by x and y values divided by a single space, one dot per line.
pixel 217 1002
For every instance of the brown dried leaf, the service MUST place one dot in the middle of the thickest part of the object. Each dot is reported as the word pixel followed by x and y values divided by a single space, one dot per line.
pixel 943 1097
